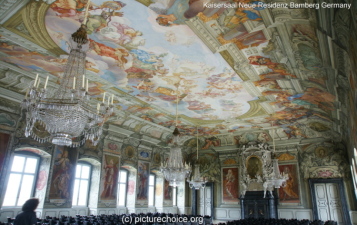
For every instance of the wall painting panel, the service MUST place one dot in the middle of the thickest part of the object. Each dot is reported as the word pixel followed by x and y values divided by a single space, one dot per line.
pixel 63 172
pixel 143 181
pixel 230 185
pixel 290 193
pixel 109 180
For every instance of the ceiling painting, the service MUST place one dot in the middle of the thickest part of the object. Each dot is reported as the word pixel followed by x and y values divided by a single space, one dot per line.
pixel 146 53
pixel 229 70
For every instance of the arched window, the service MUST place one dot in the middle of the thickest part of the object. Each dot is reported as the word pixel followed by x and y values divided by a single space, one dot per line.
pixel 22 179
pixel 151 190
pixel 81 184
pixel 122 187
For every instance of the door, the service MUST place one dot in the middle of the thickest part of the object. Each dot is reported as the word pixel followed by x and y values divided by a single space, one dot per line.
pixel 205 206
pixel 329 201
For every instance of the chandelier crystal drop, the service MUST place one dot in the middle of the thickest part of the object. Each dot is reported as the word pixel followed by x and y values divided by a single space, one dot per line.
pixel 197 181
pixel 66 113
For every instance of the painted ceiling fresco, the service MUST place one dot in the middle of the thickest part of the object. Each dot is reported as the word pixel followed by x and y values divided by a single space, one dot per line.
pixel 150 52
pixel 155 63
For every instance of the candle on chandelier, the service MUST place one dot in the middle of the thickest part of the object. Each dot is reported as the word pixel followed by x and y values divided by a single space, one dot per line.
pixel 34 84
pixel 86 13
pixel 103 97
pixel 27 92
pixel 112 99
pixel 74 83
pixel 98 107
pixel 83 77
pixel 87 86
pixel 46 83
pixel 38 82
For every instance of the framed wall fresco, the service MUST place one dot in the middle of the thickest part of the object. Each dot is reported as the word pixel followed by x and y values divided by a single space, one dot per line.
pixel 230 184
pixel 290 194
pixel 4 141
pixel 143 181
pixel 167 190
pixel 109 178
pixel 63 172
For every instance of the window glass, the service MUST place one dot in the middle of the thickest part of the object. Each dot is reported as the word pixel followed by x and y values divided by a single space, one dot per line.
pixel 21 181
pixel 81 185
pixel 151 189
pixel 174 195
pixel 122 186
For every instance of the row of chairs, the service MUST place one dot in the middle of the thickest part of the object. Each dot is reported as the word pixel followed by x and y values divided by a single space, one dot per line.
pixel 124 219
pixel 261 221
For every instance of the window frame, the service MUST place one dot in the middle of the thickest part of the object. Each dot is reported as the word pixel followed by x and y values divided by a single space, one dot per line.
pixel 89 183
pixel 154 187
pixel 33 188
pixel 126 187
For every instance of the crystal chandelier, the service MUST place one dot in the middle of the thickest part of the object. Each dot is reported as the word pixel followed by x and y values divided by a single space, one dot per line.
pixel 174 170
pixel 275 179
pixel 197 181
pixel 66 113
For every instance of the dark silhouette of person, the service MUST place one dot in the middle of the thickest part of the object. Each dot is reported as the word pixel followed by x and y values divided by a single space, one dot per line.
pixel 28 215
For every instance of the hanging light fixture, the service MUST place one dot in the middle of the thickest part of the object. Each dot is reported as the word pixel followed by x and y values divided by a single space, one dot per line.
pixel 197 181
pixel 275 179
pixel 175 170
pixel 66 113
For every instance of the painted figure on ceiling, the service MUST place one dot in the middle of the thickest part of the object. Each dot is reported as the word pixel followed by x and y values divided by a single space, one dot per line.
pixel 241 15
pixel 211 141
pixel 68 8
pixel 119 54
pixel 180 11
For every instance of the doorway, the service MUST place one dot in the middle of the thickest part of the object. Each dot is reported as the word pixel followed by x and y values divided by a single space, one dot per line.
pixel 205 205
pixel 329 200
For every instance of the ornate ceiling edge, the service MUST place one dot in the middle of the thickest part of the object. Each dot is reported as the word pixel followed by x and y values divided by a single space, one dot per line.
pixel 30 25
pixel 199 122
pixel 230 60
pixel 255 109
pixel 9 8
pixel 145 2
pixel 207 36
pixel 19 40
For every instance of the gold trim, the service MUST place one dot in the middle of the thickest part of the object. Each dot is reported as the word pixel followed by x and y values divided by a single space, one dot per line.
pixel 255 109
pixel 145 2
pixel 33 17
pixel 229 59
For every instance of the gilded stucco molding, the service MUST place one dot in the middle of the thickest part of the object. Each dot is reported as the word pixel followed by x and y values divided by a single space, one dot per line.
pixel 145 2
pixel 255 109
pixel 33 18
pixel 201 30
pixel 229 59
pixel 9 8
